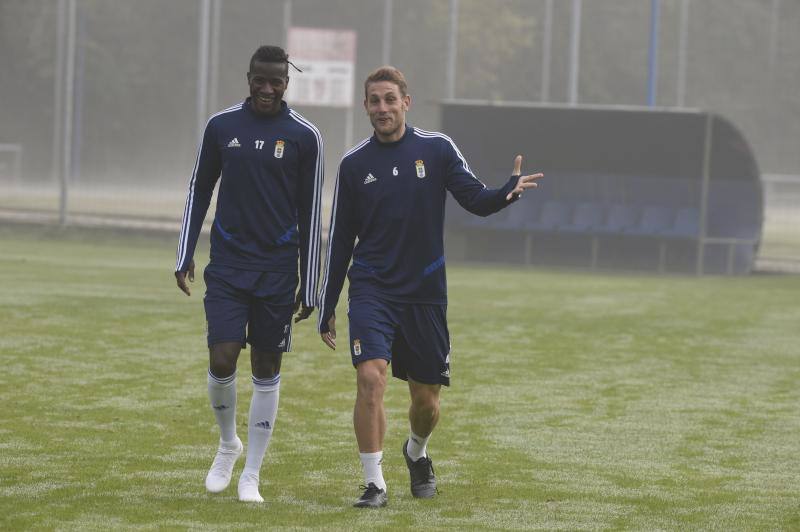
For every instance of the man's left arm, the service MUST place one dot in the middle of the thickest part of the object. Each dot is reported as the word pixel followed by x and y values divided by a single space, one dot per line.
pixel 309 213
pixel 472 194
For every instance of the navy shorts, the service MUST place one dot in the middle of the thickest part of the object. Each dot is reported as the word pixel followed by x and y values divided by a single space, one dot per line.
pixel 249 307
pixel 412 337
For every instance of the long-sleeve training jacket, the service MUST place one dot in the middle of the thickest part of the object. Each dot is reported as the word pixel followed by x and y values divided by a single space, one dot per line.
pixel 391 198
pixel 270 170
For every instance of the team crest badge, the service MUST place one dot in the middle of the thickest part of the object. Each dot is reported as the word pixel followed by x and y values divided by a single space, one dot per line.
pixel 420 168
pixel 279 149
pixel 357 347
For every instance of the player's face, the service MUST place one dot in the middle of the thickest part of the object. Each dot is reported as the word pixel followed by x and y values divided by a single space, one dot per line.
pixel 268 82
pixel 386 107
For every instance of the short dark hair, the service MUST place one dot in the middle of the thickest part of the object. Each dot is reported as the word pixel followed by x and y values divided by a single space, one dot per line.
pixel 387 73
pixel 270 54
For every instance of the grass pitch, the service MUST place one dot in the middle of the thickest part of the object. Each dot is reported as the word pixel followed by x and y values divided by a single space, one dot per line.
pixel 578 402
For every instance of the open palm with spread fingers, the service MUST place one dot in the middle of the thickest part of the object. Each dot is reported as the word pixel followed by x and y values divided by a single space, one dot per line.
pixel 524 182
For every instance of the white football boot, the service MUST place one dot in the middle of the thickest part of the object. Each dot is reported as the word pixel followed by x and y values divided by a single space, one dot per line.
pixel 219 476
pixel 248 488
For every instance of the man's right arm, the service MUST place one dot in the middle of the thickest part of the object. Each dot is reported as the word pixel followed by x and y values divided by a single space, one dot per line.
pixel 341 239
pixel 201 186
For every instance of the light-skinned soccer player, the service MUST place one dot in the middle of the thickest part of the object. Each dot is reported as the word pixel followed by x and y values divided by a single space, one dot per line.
pixel 390 195
pixel 268 160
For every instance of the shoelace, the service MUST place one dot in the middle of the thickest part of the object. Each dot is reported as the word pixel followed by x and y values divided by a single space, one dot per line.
pixel 427 463
pixel 369 490
pixel 222 465
pixel 423 464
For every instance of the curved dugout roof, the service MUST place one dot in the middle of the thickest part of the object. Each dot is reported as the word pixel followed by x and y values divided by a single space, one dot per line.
pixel 643 156
pixel 607 139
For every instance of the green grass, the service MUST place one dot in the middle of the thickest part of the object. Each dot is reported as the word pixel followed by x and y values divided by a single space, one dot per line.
pixel 578 402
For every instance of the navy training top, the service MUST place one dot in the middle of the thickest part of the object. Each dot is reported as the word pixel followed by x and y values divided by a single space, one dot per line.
pixel 270 170
pixel 391 197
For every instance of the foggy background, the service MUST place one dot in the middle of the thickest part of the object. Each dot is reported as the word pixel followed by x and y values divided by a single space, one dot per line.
pixel 118 143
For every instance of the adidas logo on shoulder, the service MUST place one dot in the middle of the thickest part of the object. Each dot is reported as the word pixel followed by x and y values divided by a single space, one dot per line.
pixel 234 143
pixel 370 179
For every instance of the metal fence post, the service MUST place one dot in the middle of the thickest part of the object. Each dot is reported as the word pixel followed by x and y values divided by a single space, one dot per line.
pixel 452 51
pixel 547 41
pixel 574 52
pixel 652 56
pixel 202 70
pixel 701 241
pixel 69 89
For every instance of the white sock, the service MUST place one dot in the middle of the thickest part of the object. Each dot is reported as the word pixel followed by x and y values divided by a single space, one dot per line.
pixel 373 471
pixel 222 395
pixel 263 410
pixel 417 446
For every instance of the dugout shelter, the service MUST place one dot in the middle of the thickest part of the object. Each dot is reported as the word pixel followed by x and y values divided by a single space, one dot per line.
pixel 624 187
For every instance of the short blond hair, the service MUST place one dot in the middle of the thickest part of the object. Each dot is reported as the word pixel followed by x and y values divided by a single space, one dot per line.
pixel 390 74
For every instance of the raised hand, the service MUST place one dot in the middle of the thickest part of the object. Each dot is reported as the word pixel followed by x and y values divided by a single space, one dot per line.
pixel 524 182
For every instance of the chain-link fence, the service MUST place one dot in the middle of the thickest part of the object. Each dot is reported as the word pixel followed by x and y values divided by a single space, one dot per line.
pixel 103 100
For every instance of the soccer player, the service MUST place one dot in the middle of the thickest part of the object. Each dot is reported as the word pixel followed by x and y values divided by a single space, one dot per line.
pixel 390 195
pixel 269 161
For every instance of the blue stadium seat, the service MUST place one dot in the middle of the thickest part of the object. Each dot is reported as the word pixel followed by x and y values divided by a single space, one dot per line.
pixel 620 218
pixel 686 225
pixel 655 219
pixel 587 217
pixel 519 214
pixel 553 215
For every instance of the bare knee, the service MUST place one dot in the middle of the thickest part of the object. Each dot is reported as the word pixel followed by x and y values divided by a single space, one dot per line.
pixel 222 358
pixel 424 399
pixel 371 380
pixel 265 364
